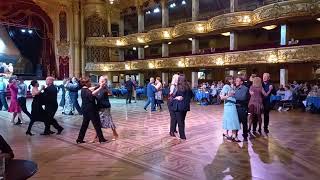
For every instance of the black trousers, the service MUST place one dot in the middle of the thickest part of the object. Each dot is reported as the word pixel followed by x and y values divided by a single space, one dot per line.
pixel 96 124
pixel 266 111
pixel 180 117
pixel 51 111
pixel 243 119
pixel 173 121
pixel 129 96
pixel 22 103
pixel 75 103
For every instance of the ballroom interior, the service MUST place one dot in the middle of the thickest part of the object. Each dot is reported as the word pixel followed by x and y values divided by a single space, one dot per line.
pixel 207 40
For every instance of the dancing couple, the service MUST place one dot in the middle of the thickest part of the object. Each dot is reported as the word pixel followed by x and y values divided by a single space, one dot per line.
pixel 98 113
pixel 180 96
pixel 237 105
pixel 154 94
pixel 46 96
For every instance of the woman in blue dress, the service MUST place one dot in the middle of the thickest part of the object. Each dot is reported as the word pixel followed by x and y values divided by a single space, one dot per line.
pixel 230 115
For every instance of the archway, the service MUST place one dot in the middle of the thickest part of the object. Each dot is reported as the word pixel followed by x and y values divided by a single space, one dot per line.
pixel 27 15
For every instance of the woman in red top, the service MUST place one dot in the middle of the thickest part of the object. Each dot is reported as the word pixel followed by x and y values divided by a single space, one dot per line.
pixel 255 103
pixel 14 105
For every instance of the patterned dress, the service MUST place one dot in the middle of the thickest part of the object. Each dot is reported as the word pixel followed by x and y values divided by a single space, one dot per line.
pixel 105 108
pixel 14 105
pixel 230 115
pixel 68 106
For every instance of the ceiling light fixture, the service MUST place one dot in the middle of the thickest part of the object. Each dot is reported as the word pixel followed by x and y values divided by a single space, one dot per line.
pixel 190 39
pixel 23 30
pixel 225 34
pixel 134 48
pixel 172 5
pixel 318 19
pixel 156 10
pixel 146 46
pixel 148 12
pixel 169 43
pixel 183 2
pixel 30 31
pixel 269 27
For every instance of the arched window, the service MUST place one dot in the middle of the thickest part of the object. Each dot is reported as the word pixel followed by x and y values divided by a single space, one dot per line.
pixel 63 26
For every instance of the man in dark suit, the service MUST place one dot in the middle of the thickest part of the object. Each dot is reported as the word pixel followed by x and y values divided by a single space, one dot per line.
pixel 266 85
pixel 129 86
pixel 51 106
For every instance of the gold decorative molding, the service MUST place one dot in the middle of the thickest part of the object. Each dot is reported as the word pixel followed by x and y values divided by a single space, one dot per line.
pixel 265 14
pixel 63 48
pixel 275 55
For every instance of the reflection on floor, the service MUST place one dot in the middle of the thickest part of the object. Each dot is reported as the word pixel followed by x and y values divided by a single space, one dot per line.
pixel 146 151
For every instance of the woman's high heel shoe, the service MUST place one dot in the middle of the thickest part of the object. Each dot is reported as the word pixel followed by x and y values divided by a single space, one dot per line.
pixel 103 141
pixel 29 133
pixel 80 141
pixel 235 140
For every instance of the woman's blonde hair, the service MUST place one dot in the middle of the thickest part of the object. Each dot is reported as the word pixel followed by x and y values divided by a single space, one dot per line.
pixel 175 78
pixel 257 82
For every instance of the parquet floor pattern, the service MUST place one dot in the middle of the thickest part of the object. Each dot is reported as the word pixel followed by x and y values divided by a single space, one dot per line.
pixel 144 149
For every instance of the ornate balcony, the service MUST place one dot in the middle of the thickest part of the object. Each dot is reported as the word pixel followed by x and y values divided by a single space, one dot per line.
pixel 275 55
pixel 262 15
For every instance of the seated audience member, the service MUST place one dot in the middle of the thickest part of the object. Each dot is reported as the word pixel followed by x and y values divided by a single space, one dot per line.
pixel 5 149
pixel 288 96
pixel 281 91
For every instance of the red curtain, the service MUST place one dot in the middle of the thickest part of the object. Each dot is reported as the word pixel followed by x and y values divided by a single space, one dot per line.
pixel 63 67
pixel 27 14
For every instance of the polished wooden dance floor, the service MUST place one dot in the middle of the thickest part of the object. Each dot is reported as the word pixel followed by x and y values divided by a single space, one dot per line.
pixel 144 149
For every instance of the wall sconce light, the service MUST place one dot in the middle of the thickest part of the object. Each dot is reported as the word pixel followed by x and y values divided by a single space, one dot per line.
pixel 169 43
pixel 200 28
pixel 269 27
pixel 119 43
pixel 146 46
pixel 190 39
pixel 127 66
pixel 219 62
pixel 140 40
pixel 225 34
pixel 272 58
pixel 166 35
pixel 181 64
pixel 134 48
pixel 246 19
pixel 151 65
pixel 318 19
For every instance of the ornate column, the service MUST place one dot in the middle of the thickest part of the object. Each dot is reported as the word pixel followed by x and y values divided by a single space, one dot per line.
pixel 165 23
pixel 195 16
pixel 283 35
pixel 283 77
pixel 233 41
pixel 194 81
pixel 140 30
pixel 83 36
pixel 121 33
pixel 233 5
pixel 233 35
pixel 165 77
pixel 76 38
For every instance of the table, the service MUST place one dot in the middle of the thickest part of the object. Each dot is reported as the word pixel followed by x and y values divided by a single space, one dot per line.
pixel 315 100
pixel 199 95
pixel 18 169
pixel 140 91
pixel 123 91
pixel 275 98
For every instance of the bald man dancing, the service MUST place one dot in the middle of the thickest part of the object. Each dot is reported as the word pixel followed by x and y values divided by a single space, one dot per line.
pixel 51 106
